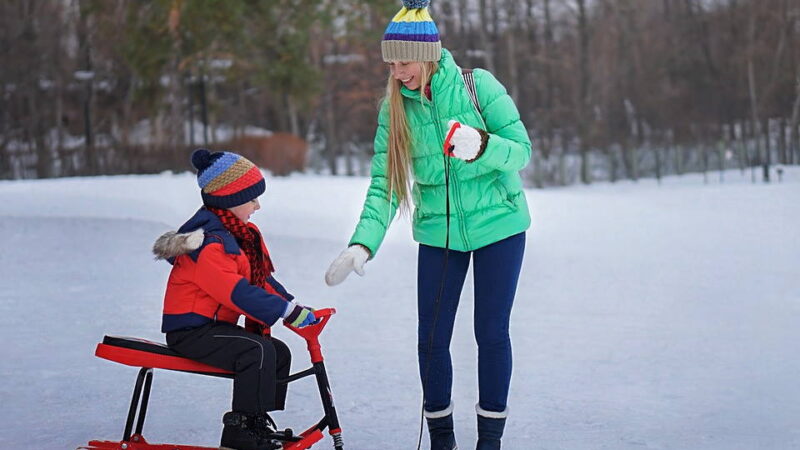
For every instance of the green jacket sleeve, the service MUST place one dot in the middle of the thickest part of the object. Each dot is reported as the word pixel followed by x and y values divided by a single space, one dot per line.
pixel 378 211
pixel 509 147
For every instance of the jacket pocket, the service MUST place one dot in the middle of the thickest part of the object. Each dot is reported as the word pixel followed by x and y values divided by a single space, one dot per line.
pixel 507 197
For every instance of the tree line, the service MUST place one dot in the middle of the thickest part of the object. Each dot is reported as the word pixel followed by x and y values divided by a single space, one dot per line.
pixel 609 89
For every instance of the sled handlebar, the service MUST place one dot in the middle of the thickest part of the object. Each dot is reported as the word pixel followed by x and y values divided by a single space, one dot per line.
pixel 448 147
pixel 311 332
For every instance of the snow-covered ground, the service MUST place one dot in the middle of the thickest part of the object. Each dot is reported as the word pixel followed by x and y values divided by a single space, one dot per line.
pixel 647 317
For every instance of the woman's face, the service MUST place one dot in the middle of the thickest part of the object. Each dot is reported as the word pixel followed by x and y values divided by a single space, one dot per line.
pixel 408 72
pixel 244 211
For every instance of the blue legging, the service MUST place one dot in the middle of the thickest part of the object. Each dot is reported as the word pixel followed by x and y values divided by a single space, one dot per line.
pixel 496 271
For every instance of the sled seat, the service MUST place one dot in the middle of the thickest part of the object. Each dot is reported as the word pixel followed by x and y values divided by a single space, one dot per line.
pixel 138 352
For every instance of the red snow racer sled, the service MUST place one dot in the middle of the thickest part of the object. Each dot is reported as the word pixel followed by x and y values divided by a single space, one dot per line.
pixel 150 355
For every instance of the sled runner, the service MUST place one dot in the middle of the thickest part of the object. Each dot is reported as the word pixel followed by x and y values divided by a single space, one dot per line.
pixel 151 355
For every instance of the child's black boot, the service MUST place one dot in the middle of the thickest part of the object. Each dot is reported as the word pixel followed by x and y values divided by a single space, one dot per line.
pixel 266 426
pixel 440 427
pixel 242 432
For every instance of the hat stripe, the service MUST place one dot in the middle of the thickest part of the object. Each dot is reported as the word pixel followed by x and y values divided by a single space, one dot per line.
pixel 412 37
pixel 235 199
pixel 217 168
pixel 412 28
pixel 243 182
pixel 412 15
pixel 231 175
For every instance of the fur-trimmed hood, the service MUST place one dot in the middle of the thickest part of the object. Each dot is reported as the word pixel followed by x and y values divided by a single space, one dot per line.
pixel 173 244
pixel 200 229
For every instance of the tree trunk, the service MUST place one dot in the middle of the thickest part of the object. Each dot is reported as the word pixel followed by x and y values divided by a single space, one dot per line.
pixel 583 98
pixel 766 128
pixel 44 159
pixel 204 108
pixel 84 41
pixel 190 108
pixel 511 33
pixel 538 168
pixel 59 144
pixel 176 135
pixel 627 157
pixel 127 118
pixel 794 138
pixel 549 89
pixel 751 83
pixel 513 75
pixel 294 121
pixel 486 39
pixel 613 165
pixel 331 138
pixel 58 110
pixel 704 158
pixel 657 155
pixel 782 156
pixel 5 123
pixel 562 159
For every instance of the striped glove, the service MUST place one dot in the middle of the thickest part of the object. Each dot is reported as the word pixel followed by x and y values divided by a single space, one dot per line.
pixel 299 316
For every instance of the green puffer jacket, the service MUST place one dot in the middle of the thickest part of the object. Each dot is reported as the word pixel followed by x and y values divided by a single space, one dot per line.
pixel 487 202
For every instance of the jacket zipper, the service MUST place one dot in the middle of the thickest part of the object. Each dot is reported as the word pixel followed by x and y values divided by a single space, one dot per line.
pixel 454 180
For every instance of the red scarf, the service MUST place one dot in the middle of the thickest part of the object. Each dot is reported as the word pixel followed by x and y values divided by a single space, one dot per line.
pixel 249 239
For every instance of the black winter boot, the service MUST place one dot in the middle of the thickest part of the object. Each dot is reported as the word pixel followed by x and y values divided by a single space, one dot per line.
pixel 264 424
pixel 268 429
pixel 440 427
pixel 243 432
pixel 490 429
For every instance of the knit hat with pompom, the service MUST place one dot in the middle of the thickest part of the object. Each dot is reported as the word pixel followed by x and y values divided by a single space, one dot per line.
pixel 227 179
pixel 412 35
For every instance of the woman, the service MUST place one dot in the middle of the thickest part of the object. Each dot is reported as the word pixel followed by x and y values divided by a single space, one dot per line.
pixel 468 204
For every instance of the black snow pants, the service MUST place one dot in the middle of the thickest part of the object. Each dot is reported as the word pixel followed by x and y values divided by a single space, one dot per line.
pixel 257 362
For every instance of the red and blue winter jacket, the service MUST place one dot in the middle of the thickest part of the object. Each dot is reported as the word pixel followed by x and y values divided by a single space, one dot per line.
pixel 210 278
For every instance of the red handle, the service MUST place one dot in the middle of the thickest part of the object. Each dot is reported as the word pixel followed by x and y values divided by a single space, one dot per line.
pixel 311 332
pixel 448 147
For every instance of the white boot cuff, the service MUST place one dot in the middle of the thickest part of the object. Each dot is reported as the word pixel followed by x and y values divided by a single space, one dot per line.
pixel 491 414
pixel 439 414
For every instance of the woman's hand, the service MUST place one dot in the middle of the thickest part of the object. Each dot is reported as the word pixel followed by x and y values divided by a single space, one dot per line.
pixel 466 143
pixel 351 259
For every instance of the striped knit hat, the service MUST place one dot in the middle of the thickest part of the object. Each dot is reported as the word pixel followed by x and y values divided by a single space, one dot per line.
pixel 412 35
pixel 227 179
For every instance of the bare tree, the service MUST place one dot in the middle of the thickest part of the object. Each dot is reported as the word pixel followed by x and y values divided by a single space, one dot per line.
pixel 583 90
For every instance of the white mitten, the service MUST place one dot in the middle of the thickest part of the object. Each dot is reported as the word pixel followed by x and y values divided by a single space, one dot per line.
pixel 467 143
pixel 351 259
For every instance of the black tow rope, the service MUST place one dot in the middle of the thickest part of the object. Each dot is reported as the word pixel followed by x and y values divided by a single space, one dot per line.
pixel 447 151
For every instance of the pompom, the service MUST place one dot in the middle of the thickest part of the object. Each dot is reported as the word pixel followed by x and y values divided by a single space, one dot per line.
pixel 416 4
pixel 201 158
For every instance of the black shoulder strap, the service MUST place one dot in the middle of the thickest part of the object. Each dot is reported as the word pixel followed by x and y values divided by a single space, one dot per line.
pixel 469 82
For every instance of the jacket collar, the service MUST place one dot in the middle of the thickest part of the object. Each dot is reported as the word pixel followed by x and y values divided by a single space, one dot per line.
pixel 213 228
pixel 444 76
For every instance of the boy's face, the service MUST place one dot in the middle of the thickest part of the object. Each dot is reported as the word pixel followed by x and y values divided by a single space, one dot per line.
pixel 244 211
pixel 407 72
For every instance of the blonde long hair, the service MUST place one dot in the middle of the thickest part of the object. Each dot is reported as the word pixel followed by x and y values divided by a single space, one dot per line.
pixel 399 145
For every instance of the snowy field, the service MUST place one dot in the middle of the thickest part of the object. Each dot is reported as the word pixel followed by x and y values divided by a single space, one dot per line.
pixel 647 317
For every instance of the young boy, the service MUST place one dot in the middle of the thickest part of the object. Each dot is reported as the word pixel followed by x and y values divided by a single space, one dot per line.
pixel 221 270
